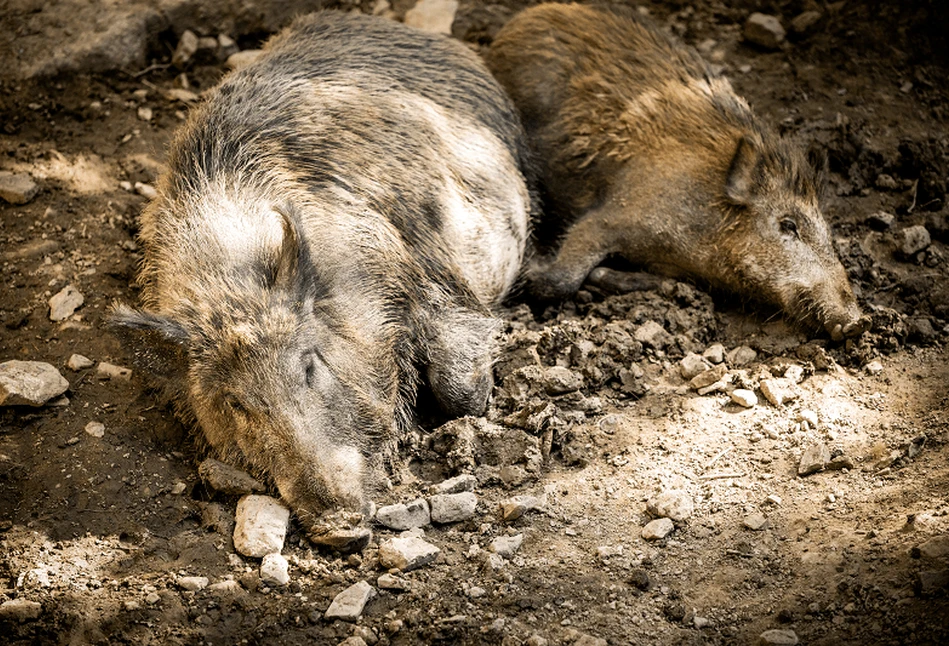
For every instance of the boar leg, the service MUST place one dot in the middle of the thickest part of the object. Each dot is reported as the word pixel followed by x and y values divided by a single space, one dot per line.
pixel 460 358
pixel 584 246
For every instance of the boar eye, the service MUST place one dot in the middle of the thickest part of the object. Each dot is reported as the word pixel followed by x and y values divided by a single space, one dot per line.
pixel 233 403
pixel 789 226
pixel 310 369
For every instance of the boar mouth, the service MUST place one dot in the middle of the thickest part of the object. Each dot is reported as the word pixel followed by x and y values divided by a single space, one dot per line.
pixel 840 318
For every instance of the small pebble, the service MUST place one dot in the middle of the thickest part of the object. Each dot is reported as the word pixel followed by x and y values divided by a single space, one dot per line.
pixel 744 397
pixel 29 383
pixel 805 22
pixel 873 368
pixel 674 503
pixel 914 239
pixel 653 334
pixel 764 30
pixel 64 303
pixel 692 364
pixel 708 378
pixel 227 587
pixel 407 516
pixel 261 525
pixel 349 604
pixel 558 380
pixel 506 546
pixel 741 356
pixel 78 362
pixel 453 507
pixel 274 570
pixel 193 583
pixel 778 390
pixel 715 353
pixel 515 507
pixel 773 499
pixel 17 188
pixel 458 484
pixel 881 220
pixel 152 598
pixel 343 539
pixel 657 529
pixel 95 429
pixel 354 640
pixel 145 113
pixel 187 47
pixel 778 637
pixel 756 522
pixel 110 371
pixel 146 190
pixel 406 553
pixel 179 488
pixel 815 457
pixel 391 582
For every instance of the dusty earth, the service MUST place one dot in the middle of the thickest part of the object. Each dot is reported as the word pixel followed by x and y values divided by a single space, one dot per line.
pixel 97 530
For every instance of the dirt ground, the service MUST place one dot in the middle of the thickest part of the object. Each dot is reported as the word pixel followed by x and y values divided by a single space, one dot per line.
pixel 99 529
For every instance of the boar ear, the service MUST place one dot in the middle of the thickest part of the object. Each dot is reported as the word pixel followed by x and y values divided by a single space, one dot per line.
pixel 125 319
pixel 286 264
pixel 818 159
pixel 739 187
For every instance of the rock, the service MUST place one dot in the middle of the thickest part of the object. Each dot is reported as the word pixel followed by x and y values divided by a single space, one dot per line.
pixel 778 637
pixel 226 47
pixel 458 484
pixel 756 522
pixel 674 503
pixel 145 113
pixel 881 220
pixel 435 16
pixel 589 640
pixel 30 249
pixel 349 604
pixel 186 49
pixel 78 362
pixel 815 457
pixel 406 553
pixel 873 367
pixel 744 397
pixel 274 570
pixel 653 335
pixel 657 529
pixel 17 188
pixel 715 353
pixel 741 356
pixel 343 539
pixel 934 548
pixel 227 479
pixel 95 429
pixel 354 640
pixel 29 383
pixel 709 377
pixel 20 610
pixel 804 23
pixel 931 582
pixel 453 507
pixel 391 582
pixel 515 507
pixel 692 364
pixel 506 545
pixel 146 190
pixel 228 587
pixel 242 59
pixel 794 373
pixel 558 380
pixel 536 640
pixel 778 390
pixel 181 94
pixel 913 239
pixel 193 583
pixel 64 303
pixel 261 525
pixel 408 516
pixel 179 488
pixel 112 372
pixel 808 416
pixel 764 30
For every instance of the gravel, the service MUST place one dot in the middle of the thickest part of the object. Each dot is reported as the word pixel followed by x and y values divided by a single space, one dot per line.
pixel 349 604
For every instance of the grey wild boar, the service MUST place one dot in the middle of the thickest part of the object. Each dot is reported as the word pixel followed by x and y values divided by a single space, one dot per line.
pixel 336 221
pixel 645 152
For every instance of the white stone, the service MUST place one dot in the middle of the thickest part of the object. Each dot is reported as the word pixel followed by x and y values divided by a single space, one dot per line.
pixel 464 482
pixel 794 373
pixel 17 188
pixel 756 522
pixel 453 507
pixel 715 353
pixel 406 553
pixel 778 637
pixel 434 16
pixel 274 570
pixel 659 528
pixel 228 586
pixel 193 583
pixel 815 457
pixel 29 383
pixel 914 239
pixel 652 334
pixel 778 390
pixel 741 356
pixel 516 506
pixel 506 546
pixel 261 525
pixel 391 582
pixel 674 503
pixel 764 30
pixel 349 604
pixel 64 303
pixel 111 371
pixel 708 377
pixel 95 429
pixel 20 610
pixel 146 190
pixel 873 368
pixel 407 516
pixel 79 362
pixel 744 397
pixel 187 46
pixel 808 416
pixel 692 364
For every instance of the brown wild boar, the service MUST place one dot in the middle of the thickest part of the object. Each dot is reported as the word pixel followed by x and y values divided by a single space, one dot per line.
pixel 647 153
pixel 336 222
